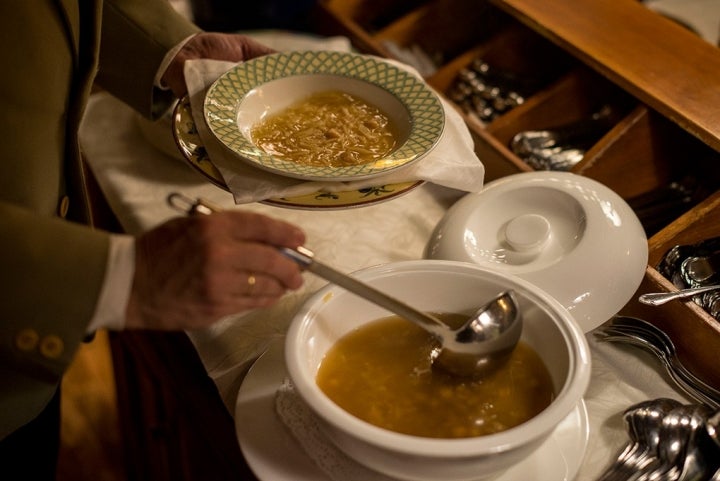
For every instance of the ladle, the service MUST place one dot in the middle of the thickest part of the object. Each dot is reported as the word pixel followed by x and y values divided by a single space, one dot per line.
pixel 658 298
pixel 480 345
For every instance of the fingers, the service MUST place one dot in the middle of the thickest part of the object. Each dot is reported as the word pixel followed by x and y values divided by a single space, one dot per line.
pixel 246 226
pixel 211 45
pixel 247 242
pixel 192 271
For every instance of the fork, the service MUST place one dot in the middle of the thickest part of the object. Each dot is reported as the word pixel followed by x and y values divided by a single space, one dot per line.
pixel 642 334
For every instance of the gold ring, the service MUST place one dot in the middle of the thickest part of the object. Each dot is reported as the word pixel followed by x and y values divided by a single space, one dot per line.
pixel 251 280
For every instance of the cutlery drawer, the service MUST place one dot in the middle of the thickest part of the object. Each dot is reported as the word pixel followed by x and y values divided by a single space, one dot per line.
pixel 695 332
pixel 653 142
pixel 660 80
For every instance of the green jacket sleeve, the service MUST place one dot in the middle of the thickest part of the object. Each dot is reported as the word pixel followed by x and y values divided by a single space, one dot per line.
pixel 136 35
pixel 49 291
pixel 51 270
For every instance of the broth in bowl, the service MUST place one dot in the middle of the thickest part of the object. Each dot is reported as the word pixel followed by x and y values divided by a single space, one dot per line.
pixel 382 374
pixel 328 128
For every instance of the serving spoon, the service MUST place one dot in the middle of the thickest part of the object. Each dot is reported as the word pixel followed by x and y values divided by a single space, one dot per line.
pixel 480 345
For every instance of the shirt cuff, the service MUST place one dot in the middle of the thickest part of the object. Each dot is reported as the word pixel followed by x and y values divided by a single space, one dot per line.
pixel 166 62
pixel 115 292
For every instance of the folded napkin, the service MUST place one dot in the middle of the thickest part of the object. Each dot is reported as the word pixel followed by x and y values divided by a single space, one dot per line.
pixel 452 163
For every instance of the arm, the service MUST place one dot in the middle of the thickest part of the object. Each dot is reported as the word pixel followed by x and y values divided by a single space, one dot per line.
pixel 136 36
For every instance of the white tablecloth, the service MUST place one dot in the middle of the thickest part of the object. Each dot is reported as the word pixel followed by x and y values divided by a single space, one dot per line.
pixel 136 178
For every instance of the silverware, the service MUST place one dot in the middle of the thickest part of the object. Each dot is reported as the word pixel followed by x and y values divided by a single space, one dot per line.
pixel 699 270
pixel 713 429
pixel 659 298
pixel 669 441
pixel 486 92
pixel 561 147
pixel 640 333
pixel 642 422
pixel 677 452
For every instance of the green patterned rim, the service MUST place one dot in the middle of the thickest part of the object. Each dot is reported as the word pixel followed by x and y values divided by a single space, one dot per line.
pixel 424 110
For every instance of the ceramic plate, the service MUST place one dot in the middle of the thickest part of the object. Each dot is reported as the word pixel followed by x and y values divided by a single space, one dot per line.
pixel 266 85
pixel 274 455
pixel 193 150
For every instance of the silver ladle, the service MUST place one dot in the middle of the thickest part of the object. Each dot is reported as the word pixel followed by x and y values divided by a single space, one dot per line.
pixel 480 345
pixel 658 298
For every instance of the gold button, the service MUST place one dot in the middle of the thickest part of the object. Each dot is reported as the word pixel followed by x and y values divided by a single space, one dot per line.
pixel 27 340
pixel 64 206
pixel 51 346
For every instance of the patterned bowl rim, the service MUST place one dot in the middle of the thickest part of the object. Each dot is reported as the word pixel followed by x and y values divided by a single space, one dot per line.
pixel 225 96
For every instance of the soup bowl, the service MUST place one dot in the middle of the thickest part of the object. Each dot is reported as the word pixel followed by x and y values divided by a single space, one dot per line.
pixel 437 286
pixel 264 86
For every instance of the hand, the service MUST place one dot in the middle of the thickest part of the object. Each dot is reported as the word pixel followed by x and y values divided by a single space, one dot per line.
pixel 192 271
pixel 216 46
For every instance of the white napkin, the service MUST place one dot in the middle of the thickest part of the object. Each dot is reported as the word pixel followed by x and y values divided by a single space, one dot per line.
pixel 452 163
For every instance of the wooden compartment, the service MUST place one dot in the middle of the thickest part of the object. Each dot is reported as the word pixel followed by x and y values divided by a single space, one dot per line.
pixel 663 81
pixel 695 333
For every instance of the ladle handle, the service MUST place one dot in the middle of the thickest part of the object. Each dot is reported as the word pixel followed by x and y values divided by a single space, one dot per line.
pixel 306 259
pixel 658 298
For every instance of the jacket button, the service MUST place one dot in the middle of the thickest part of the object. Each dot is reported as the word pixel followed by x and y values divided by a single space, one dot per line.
pixel 27 340
pixel 64 206
pixel 51 346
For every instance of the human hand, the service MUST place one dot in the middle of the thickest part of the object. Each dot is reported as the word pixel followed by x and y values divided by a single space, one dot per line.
pixel 191 271
pixel 217 46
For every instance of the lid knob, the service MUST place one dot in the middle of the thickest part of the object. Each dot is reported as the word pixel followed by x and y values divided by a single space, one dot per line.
pixel 527 232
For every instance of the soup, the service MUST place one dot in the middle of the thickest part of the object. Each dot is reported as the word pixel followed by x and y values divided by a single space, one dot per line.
pixel 382 373
pixel 332 129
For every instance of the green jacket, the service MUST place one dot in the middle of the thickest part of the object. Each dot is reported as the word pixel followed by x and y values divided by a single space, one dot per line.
pixel 51 269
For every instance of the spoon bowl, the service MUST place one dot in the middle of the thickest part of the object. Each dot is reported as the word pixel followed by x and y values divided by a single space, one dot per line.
pixel 642 423
pixel 679 434
pixel 485 341
pixel 700 270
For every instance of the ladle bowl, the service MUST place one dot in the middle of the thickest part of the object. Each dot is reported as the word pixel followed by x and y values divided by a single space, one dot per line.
pixel 439 287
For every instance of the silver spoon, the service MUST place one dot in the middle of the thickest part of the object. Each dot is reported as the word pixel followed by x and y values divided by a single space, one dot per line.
pixel 697 270
pixel 658 298
pixel 712 426
pixel 642 422
pixel 699 459
pixel 479 346
pixel 678 434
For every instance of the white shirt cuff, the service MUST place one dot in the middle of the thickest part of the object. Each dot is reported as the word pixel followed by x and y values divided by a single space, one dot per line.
pixel 166 62
pixel 115 292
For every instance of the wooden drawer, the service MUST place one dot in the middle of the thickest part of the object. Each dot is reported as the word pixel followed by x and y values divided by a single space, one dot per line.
pixel 662 82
